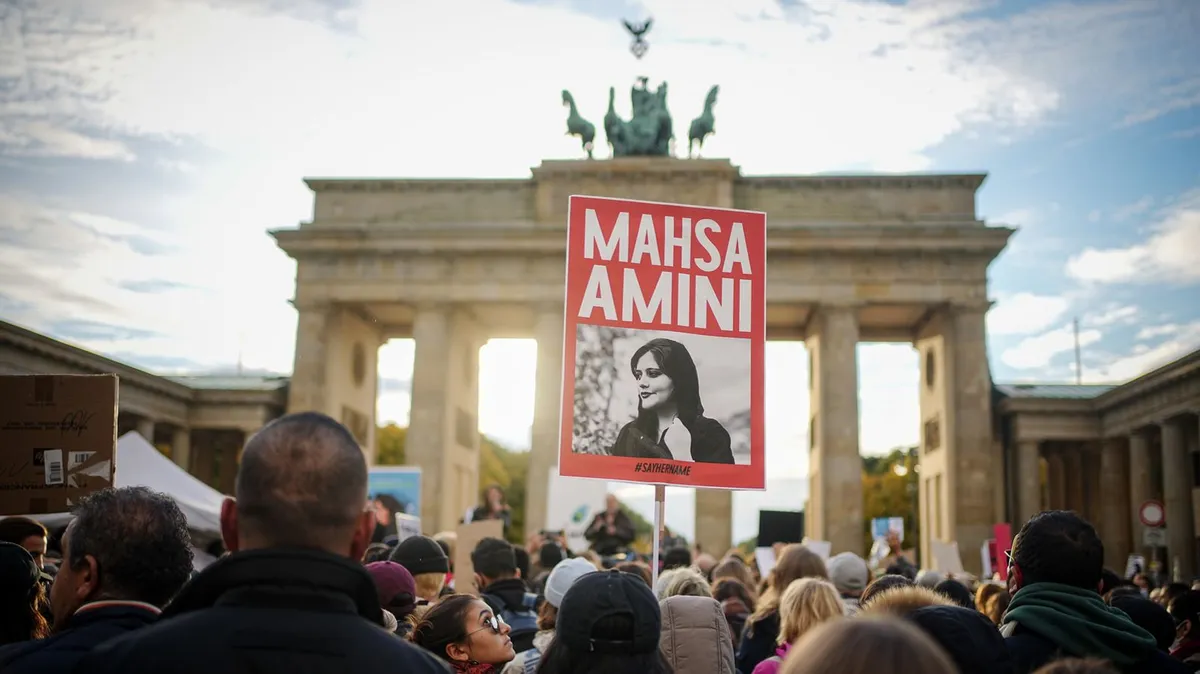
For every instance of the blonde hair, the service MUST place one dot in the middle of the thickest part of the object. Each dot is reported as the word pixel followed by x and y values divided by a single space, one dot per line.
pixel 682 581
pixel 806 603
pixel 984 593
pixel 429 585
pixel 795 562
pixel 900 601
pixel 867 645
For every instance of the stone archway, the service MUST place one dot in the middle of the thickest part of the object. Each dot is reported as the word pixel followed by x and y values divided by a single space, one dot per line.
pixel 452 262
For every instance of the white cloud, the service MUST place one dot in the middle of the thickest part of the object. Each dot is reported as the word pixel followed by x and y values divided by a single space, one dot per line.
pixel 1094 215
pixel 1113 314
pixel 1025 313
pixel 1167 256
pixel 1037 352
pixel 1132 209
pixel 1022 217
pixel 1176 97
pixel 1144 358
pixel 1151 332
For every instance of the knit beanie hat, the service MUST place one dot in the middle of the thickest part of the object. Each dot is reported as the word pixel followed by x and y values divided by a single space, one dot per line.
pixel 563 576
pixel 421 554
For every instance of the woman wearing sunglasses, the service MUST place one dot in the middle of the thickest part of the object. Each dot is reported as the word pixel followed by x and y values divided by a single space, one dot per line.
pixel 463 631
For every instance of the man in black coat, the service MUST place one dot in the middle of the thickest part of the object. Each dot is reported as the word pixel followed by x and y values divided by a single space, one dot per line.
pixel 126 553
pixel 1054 575
pixel 610 531
pixel 292 596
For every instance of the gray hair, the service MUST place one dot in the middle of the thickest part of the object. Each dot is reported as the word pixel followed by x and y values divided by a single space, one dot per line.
pixel 681 581
pixel 302 482
pixel 139 539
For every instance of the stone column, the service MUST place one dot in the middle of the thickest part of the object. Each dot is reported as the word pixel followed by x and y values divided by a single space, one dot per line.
pixel 1113 503
pixel 181 448
pixel 1177 497
pixel 443 431
pixel 1141 487
pixel 835 503
pixel 1073 465
pixel 1029 482
pixel 1056 478
pixel 307 387
pixel 145 428
pixel 547 411
pixel 714 521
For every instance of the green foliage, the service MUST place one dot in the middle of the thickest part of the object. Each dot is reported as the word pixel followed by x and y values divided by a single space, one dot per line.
pixel 886 493
pixel 389 445
pixel 501 466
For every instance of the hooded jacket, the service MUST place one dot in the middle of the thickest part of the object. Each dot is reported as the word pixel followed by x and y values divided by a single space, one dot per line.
pixel 694 635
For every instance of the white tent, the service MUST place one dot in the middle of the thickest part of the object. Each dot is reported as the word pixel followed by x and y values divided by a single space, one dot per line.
pixel 139 464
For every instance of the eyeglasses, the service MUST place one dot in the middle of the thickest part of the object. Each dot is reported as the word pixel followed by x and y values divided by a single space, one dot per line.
pixel 1008 556
pixel 492 622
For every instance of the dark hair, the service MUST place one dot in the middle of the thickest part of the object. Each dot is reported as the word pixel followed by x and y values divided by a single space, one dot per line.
pixel 1186 607
pixel 139 539
pixel 377 552
pixel 503 496
pixel 547 616
pixel 955 592
pixel 494 558
pixel 21 617
pixel 442 625
pixel 16 529
pixel 521 557
pixel 1059 546
pixel 1172 590
pixel 731 588
pixel 883 584
pixel 561 659
pixel 302 480
pixel 676 557
pixel 639 569
pixel 549 555
pixel 1122 591
pixel 1149 616
pixel 675 361
pixel 1109 580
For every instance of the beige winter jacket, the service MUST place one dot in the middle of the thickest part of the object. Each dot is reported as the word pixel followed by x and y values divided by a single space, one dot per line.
pixel 695 636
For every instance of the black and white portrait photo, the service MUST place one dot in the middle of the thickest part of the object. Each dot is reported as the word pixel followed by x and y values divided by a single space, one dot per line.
pixel 662 395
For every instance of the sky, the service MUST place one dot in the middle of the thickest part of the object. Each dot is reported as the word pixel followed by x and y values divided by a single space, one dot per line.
pixel 147 147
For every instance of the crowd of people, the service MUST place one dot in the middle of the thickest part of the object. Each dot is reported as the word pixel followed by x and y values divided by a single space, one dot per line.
pixel 302 588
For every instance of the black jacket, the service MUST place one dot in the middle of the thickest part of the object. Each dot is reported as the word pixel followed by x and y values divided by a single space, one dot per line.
pixel 268 611
pixel 83 631
pixel 1030 651
pixel 605 543
pixel 758 642
pixel 710 442
pixel 967 636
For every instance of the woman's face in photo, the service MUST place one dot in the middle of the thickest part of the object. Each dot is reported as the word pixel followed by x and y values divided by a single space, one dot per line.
pixel 655 388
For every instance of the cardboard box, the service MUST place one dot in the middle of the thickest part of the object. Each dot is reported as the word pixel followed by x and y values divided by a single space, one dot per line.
pixel 468 536
pixel 58 439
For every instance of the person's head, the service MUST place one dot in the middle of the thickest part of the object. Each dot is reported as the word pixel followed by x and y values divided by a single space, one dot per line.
pixel 462 629
pixel 866 645
pixel 733 567
pixel 1079 666
pixel 521 555
pixel 1056 546
pixel 129 544
pixel 426 561
pixel 302 483
pixel 560 580
pixel 676 557
pixel 1170 591
pixel 493 496
pixel 1185 612
pixel 983 593
pixel 725 589
pixel 27 533
pixel 794 562
pixel 549 555
pixel 849 573
pixel 377 552
pixel 386 506
pixel 639 569
pixel 705 564
pixel 395 586
pixel 893 541
pixel 1150 616
pixel 883 584
pixel 609 621
pixel 1109 580
pixel 666 379
pixel 900 601
pixel 21 596
pixel 494 559
pixel 806 603
pixel 955 592
pixel 997 606
pixel 611 504
pixel 681 580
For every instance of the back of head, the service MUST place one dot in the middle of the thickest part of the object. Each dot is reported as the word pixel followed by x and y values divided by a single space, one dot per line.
pixel 955 592
pixel 1149 616
pixel 676 557
pixel 865 645
pixel 806 603
pixel 901 600
pixel 883 584
pixel 733 567
pixel 1059 546
pixel 549 555
pixel 849 573
pixel 494 558
pixel 21 596
pixel 727 589
pixel 796 562
pixel 139 540
pixel 695 637
pixel 682 581
pixel 967 636
pixel 639 569
pixel 302 483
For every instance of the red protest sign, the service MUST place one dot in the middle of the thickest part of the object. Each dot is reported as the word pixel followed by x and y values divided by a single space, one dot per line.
pixel 665 344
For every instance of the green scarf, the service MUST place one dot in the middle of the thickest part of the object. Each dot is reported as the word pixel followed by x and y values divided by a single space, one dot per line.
pixel 1079 623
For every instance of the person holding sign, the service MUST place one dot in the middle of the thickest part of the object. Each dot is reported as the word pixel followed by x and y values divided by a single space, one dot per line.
pixel 670 423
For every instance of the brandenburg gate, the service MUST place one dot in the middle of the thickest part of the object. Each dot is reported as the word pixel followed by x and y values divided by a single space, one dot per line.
pixel 451 263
